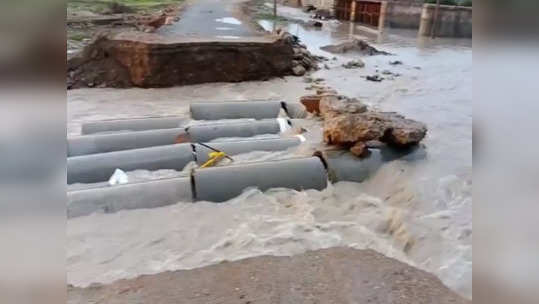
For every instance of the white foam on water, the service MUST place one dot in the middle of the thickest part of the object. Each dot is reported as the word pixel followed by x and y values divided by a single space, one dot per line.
pixel 228 37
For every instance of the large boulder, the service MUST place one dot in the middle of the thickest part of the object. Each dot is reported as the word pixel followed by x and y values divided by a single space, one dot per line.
pixel 389 127
pixel 346 129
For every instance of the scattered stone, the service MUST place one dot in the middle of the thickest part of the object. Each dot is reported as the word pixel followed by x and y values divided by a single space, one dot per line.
pixel 354 64
pixel 356 45
pixel 326 67
pixel 307 79
pixel 375 78
pixel 301 54
pixel 318 80
pixel 396 62
pixel 322 14
pixel 299 70
pixel 317 24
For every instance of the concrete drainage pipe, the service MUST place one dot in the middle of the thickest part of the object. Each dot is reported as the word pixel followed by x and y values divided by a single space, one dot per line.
pixel 137 124
pixel 236 110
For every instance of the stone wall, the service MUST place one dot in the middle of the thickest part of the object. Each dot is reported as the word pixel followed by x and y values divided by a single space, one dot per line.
pixel 143 60
pixel 453 21
pixel 403 13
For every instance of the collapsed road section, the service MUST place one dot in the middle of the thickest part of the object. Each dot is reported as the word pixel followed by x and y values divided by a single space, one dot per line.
pixel 146 60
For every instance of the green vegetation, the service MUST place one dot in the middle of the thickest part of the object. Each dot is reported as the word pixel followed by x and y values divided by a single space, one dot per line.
pixel 452 2
pixel 77 36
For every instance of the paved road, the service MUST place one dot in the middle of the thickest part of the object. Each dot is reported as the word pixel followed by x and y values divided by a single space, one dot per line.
pixel 211 18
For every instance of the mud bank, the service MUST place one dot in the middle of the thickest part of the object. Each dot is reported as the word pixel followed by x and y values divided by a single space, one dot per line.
pixel 147 60
pixel 336 275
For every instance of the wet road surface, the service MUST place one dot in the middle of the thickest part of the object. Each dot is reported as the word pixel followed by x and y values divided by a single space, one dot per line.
pixel 210 19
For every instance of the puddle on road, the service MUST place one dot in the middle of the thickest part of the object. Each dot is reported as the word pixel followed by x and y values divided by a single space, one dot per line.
pixel 229 20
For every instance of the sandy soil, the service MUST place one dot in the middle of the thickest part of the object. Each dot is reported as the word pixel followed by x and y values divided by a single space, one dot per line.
pixel 336 275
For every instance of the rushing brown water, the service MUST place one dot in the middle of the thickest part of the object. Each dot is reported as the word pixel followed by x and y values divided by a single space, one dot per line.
pixel 418 211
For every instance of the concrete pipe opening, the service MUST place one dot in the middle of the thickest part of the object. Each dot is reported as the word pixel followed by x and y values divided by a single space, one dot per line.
pixel 138 124
pixel 99 167
pixel 235 110
pixel 219 184
pixel 345 166
pixel 102 143
pixel 151 194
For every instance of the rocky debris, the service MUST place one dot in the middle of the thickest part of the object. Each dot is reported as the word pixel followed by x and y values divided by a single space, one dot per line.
pixel 316 23
pixel 350 124
pixel 388 72
pixel 322 14
pixel 387 127
pixel 355 45
pixel 354 64
pixel 375 78
pixel 298 69
pixel 391 75
pixel 339 275
pixel 303 59
pixel 333 105
pixel 396 62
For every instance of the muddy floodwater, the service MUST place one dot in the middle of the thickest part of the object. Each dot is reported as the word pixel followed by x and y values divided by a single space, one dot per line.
pixel 418 209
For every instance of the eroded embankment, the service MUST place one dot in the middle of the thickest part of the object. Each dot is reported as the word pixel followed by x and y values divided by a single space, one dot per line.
pixel 147 60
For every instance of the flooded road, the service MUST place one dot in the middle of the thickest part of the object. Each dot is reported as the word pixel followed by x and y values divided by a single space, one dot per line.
pixel 418 211
pixel 210 19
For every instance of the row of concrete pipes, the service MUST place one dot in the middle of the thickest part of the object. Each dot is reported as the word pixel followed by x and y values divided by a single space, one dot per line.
pixel 150 145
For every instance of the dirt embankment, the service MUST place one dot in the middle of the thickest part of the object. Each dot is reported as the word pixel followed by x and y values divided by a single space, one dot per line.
pixel 335 275
pixel 146 60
